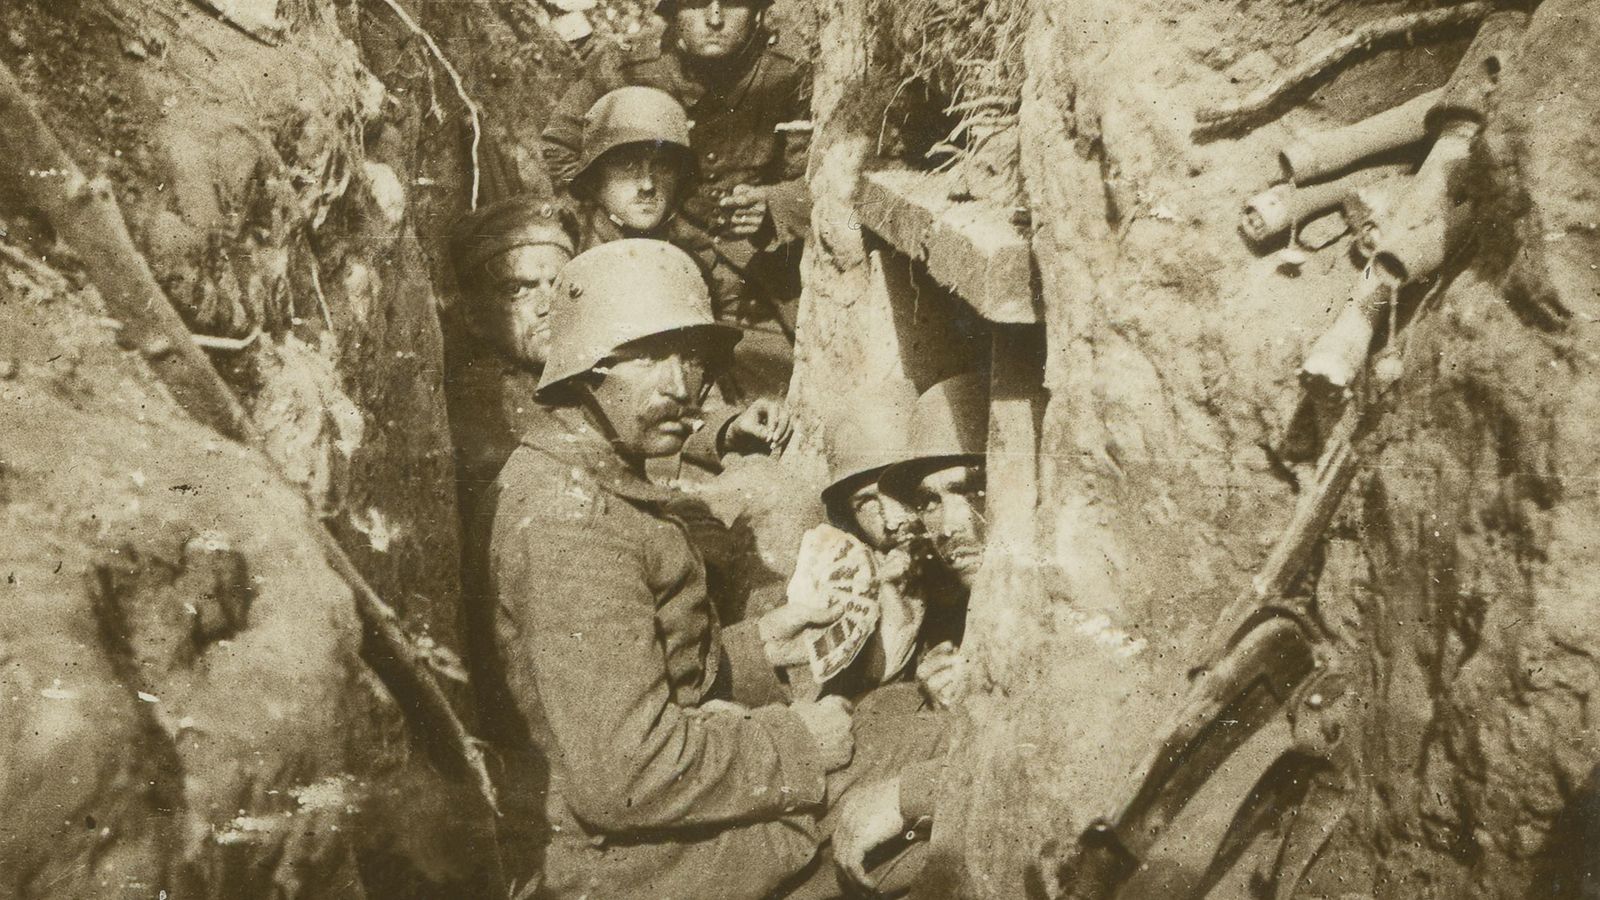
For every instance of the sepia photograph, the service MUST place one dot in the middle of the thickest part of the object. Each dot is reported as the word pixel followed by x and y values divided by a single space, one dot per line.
pixel 799 449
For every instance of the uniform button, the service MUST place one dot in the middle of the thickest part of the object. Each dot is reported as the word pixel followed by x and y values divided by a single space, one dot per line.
pixel 711 157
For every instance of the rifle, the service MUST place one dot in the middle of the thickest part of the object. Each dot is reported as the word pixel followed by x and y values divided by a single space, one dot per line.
pixel 1267 653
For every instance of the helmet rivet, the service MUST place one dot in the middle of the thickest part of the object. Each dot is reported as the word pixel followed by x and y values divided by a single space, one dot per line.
pixel 575 291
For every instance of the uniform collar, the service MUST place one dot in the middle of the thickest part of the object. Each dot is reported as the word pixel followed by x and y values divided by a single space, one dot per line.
pixel 695 85
pixel 572 439
pixel 600 227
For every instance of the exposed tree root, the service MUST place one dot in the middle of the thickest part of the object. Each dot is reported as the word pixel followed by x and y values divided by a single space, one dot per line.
pixel 474 118
pixel 1254 108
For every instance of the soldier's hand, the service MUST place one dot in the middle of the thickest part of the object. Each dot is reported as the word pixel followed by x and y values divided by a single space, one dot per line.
pixel 894 565
pixel 942 671
pixel 828 720
pixel 783 630
pixel 765 423
pixel 744 209
pixel 870 816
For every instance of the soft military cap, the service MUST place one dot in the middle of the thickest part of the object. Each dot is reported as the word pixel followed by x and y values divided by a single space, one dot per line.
pixel 521 221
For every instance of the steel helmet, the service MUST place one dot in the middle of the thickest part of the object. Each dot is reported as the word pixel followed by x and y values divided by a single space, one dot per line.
pixel 620 292
pixel 949 426
pixel 633 115
pixel 861 445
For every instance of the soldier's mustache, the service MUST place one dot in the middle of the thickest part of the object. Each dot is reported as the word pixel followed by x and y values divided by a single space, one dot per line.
pixel 666 412
pixel 960 547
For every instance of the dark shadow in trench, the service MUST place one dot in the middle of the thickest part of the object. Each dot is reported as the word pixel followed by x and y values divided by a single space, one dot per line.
pixel 1569 861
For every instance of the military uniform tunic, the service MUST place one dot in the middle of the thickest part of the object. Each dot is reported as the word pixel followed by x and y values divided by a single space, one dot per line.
pixel 734 136
pixel 595 227
pixel 610 651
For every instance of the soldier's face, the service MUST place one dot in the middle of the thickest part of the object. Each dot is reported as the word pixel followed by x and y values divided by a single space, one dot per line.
pixel 714 30
pixel 950 503
pixel 650 392
pixel 637 185
pixel 521 282
pixel 879 518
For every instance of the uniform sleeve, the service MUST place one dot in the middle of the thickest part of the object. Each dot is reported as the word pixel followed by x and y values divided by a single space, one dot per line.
pixel 587 656
pixel 705 445
pixel 919 783
pixel 727 288
pixel 789 200
pixel 796 107
pixel 725 282
pixel 753 679
pixel 789 206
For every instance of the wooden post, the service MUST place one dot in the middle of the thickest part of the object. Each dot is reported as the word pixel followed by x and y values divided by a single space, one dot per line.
pixel 1015 405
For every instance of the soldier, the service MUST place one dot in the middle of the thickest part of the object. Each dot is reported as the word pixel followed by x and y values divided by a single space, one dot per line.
pixel 943 484
pixel 609 650
pixel 859 448
pixel 738 82
pixel 635 170
pixel 942 480
pixel 506 257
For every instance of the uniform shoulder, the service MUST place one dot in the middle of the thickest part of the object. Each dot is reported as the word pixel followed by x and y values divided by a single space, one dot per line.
pixel 639 49
pixel 537 485
pixel 787 45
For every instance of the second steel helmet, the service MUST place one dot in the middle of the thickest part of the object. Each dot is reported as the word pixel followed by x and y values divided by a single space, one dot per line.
pixel 618 293
pixel 949 426
pixel 861 445
pixel 633 115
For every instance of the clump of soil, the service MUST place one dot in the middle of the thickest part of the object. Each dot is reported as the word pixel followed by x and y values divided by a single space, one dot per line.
pixel 184 696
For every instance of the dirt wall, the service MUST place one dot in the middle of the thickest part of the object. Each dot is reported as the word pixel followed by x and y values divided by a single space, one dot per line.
pixel 1452 585
pixel 191 713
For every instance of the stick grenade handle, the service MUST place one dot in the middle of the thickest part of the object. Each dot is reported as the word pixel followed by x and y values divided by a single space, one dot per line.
pixel 1314 156
pixel 1341 351
pixel 1412 245
pixel 1275 209
pixel 1413 248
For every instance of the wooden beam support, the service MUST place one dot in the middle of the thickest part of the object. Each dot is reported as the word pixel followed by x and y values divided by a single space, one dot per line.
pixel 970 247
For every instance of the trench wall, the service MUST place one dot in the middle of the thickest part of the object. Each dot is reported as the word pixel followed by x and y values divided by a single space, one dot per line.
pixel 187 711
pixel 1453 583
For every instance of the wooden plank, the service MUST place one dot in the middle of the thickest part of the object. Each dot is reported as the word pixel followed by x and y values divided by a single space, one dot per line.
pixel 970 247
